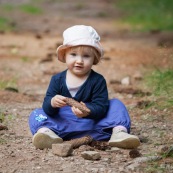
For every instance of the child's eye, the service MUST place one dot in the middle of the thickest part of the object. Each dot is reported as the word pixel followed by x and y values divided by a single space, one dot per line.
pixel 73 54
pixel 86 56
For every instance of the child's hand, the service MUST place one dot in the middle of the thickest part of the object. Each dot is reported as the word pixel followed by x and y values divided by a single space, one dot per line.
pixel 78 112
pixel 58 101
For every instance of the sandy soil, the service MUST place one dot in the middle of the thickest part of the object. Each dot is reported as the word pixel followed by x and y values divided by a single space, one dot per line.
pixel 27 59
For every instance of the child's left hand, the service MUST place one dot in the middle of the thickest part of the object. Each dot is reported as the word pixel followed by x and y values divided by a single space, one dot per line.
pixel 78 112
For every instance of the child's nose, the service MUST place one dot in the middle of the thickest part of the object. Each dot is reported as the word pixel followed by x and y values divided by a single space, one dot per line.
pixel 79 59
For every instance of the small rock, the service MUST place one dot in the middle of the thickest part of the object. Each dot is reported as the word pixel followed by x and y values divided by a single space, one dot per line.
pixel 3 127
pixel 112 81
pixel 125 81
pixel 143 139
pixel 138 76
pixel 38 36
pixel 14 51
pixel 91 155
pixel 146 159
pixel 137 161
pixel 162 149
pixel 62 150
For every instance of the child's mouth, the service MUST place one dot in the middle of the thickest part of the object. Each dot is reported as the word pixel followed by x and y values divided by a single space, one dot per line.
pixel 78 67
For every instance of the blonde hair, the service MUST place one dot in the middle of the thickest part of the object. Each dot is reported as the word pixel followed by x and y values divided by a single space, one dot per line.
pixel 89 49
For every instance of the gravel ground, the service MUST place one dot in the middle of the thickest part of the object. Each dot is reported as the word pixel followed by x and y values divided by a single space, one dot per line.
pixel 27 59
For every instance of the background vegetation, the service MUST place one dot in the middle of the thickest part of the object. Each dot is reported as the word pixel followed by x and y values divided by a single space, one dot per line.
pixel 147 15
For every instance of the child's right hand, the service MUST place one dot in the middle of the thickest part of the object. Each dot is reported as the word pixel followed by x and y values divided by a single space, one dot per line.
pixel 58 101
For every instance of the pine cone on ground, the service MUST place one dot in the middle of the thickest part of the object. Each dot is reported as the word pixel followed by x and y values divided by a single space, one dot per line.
pixel 80 141
pixel 134 153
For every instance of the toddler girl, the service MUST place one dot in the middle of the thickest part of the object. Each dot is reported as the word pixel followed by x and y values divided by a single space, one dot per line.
pixel 108 120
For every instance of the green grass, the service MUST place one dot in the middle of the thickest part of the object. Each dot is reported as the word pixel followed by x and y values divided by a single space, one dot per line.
pixel 2 141
pixel 8 83
pixel 7 7
pixel 4 118
pixel 161 83
pixel 30 9
pixel 25 59
pixel 26 8
pixel 147 15
pixel 154 167
pixel 79 6
pixel 102 14
pixel 5 24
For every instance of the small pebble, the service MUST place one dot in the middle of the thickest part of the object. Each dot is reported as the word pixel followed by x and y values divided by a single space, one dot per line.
pixel 91 155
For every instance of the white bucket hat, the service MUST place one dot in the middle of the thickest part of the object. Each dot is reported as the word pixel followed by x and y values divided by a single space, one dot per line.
pixel 79 35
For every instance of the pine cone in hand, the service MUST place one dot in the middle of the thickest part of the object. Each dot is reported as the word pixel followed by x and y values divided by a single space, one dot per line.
pixel 81 107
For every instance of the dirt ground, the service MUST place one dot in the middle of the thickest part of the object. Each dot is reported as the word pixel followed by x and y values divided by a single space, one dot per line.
pixel 28 59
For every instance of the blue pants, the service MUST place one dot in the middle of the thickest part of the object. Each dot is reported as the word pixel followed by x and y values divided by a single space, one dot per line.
pixel 68 126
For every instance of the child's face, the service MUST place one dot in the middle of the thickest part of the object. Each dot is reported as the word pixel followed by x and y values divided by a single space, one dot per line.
pixel 79 60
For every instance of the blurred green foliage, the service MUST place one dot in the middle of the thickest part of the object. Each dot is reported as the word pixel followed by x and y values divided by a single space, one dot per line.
pixel 161 83
pixel 10 83
pixel 25 59
pixel 7 7
pixel 5 24
pixel 154 167
pixel 147 15
pixel 31 9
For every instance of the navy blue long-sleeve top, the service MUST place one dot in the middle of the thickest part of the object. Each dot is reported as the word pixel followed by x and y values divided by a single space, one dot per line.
pixel 93 93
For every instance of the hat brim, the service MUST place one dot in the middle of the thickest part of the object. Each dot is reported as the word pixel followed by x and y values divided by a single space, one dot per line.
pixel 61 52
pixel 62 49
